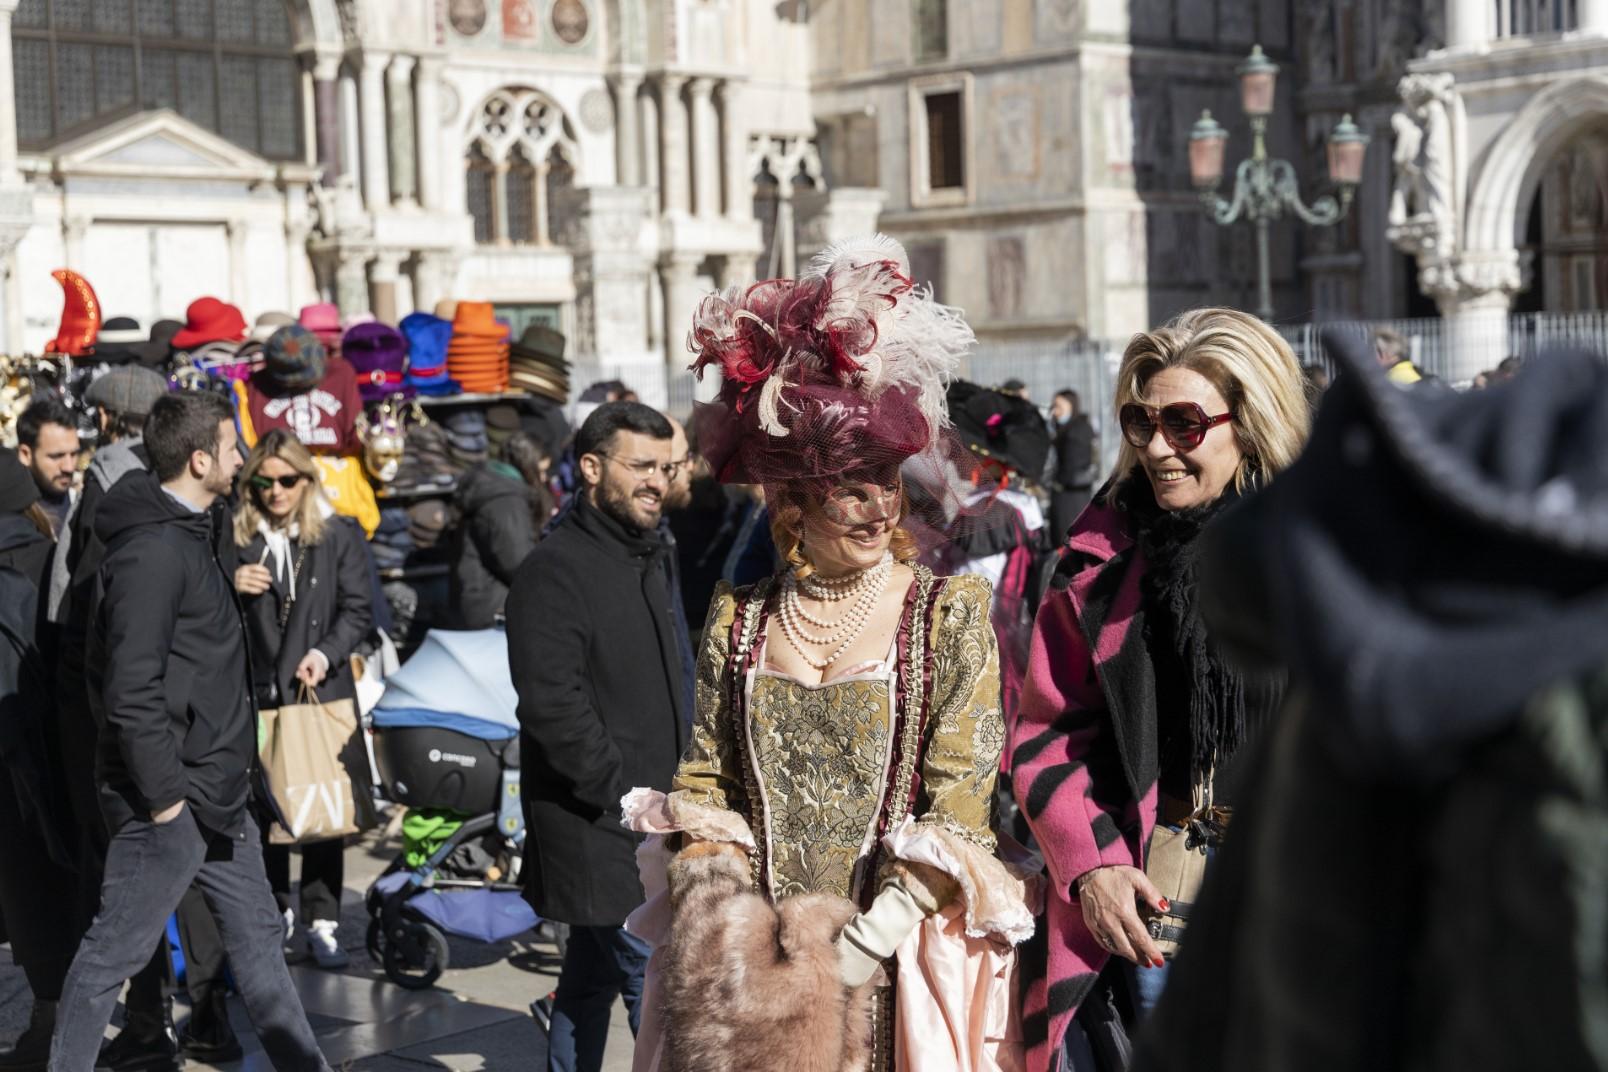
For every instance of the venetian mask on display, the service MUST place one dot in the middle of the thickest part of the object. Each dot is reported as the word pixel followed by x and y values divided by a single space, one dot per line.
pixel 384 439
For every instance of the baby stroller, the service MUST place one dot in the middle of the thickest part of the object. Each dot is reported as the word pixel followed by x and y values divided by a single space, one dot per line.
pixel 446 745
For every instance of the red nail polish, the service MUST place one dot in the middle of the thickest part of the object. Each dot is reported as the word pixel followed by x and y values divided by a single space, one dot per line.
pixel 1165 904
pixel 1160 963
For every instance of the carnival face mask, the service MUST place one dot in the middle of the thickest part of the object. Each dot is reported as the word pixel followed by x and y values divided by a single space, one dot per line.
pixel 383 443
pixel 856 505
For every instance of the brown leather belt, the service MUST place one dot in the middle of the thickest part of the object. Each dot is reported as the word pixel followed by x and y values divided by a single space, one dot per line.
pixel 1170 811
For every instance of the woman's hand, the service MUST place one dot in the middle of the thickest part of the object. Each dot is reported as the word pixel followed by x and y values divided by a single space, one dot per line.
pixel 252 579
pixel 1110 897
pixel 312 669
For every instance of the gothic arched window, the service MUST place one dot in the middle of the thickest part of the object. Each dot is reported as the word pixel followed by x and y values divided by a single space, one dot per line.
pixel 227 65
pixel 522 148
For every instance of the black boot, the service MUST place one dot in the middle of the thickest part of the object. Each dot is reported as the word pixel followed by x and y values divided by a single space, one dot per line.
pixel 207 1036
pixel 31 1051
pixel 147 1043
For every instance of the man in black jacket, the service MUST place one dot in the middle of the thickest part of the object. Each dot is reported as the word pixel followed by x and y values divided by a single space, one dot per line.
pixel 171 690
pixel 592 646
pixel 503 505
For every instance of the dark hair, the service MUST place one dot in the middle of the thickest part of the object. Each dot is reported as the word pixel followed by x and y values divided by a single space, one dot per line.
pixel 613 417
pixel 124 425
pixel 40 412
pixel 1390 342
pixel 180 424
pixel 526 453
pixel 1507 367
pixel 1072 397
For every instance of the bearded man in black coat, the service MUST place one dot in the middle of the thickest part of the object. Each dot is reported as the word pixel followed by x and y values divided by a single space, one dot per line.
pixel 593 648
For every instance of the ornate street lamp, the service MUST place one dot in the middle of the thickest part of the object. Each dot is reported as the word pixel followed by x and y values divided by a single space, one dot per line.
pixel 1264 188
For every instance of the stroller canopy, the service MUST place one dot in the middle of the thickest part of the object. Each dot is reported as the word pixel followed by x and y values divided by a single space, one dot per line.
pixel 457 681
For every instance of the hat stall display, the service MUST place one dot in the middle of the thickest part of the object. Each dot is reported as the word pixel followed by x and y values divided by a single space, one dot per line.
pixel 80 315
pixel 428 337
pixel 536 363
pixel 323 319
pixel 210 320
pixel 477 356
pixel 378 353
pixel 121 340
pixel 268 323
pixel 294 358
pixel 128 390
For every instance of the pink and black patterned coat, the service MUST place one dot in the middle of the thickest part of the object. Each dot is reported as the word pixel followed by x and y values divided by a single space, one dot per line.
pixel 1085 755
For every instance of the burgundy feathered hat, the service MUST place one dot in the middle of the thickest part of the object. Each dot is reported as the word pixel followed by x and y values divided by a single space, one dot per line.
pixel 839 373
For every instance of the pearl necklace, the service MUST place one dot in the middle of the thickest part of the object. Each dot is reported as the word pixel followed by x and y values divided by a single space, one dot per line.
pixel 863 590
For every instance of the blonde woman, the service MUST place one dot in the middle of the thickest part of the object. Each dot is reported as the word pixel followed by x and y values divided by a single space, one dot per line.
pixel 303 579
pixel 1129 715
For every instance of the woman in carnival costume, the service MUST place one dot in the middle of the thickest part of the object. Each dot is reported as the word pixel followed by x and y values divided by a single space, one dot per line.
pixel 834 898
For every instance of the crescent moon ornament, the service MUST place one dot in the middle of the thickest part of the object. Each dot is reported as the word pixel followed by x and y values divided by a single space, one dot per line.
pixel 80 315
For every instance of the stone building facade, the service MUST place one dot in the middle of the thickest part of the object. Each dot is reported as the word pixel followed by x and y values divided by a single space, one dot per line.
pixel 597 164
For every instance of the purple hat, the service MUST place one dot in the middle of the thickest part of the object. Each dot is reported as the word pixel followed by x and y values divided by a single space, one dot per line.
pixel 379 355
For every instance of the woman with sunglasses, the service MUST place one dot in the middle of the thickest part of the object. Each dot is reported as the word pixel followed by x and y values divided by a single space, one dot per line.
pixel 303 579
pixel 1129 715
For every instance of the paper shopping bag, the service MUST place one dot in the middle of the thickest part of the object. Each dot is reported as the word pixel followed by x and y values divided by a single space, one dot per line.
pixel 313 757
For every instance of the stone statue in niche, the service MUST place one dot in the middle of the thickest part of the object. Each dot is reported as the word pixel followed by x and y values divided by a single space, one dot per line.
pixel 1007 276
pixel 1422 213
pixel 1320 41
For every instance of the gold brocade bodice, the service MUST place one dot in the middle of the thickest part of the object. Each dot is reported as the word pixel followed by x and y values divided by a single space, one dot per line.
pixel 822 753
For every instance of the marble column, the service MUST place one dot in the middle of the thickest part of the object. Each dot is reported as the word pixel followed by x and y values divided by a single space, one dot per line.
pixel 239 267
pixel 429 282
pixel 734 152
pixel 673 148
pixel 1468 23
pixel 384 271
pixel 650 140
pixel 73 230
pixel 627 130
pixel 371 100
pixel 678 273
pixel 427 117
pixel 8 100
pixel 499 202
pixel 350 157
pixel 399 110
pixel 351 284
pixel 1592 16
pixel 327 115
pixel 705 149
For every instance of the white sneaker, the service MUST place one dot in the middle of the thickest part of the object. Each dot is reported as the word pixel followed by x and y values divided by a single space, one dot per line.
pixel 321 943
pixel 290 925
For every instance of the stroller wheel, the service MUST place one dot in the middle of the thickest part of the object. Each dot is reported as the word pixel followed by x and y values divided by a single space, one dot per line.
pixel 415 959
pixel 375 941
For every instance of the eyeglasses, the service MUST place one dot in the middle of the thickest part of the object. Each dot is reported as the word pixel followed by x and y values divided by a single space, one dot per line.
pixel 1183 424
pixel 643 469
pixel 263 483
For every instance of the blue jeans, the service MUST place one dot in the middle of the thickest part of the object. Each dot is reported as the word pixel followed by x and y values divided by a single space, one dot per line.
pixel 600 964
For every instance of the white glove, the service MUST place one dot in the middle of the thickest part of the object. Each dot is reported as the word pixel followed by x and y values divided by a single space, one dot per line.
pixel 871 937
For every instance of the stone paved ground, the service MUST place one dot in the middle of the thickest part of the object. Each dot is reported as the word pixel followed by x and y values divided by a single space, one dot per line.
pixel 476 1017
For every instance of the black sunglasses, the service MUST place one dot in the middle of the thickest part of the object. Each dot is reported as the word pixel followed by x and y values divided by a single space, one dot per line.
pixel 263 483
pixel 1183 424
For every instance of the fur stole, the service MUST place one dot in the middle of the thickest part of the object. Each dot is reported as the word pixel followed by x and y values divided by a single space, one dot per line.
pixel 748 984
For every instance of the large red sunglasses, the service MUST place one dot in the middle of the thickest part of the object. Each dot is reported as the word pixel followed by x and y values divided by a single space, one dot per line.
pixel 1183 424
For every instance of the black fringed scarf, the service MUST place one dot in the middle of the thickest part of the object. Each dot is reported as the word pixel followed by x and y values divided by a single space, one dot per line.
pixel 1223 703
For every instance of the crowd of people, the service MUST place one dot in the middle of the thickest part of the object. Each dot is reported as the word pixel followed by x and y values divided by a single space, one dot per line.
pixel 864 722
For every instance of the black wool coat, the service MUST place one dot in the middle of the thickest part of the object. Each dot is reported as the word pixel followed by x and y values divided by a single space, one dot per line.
pixel 592 646
pixel 333 612
pixel 495 534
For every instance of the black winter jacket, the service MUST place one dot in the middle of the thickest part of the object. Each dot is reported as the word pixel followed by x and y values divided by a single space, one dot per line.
pixel 491 541
pixel 1074 455
pixel 167 665
pixel 333 612
pixel 592 647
